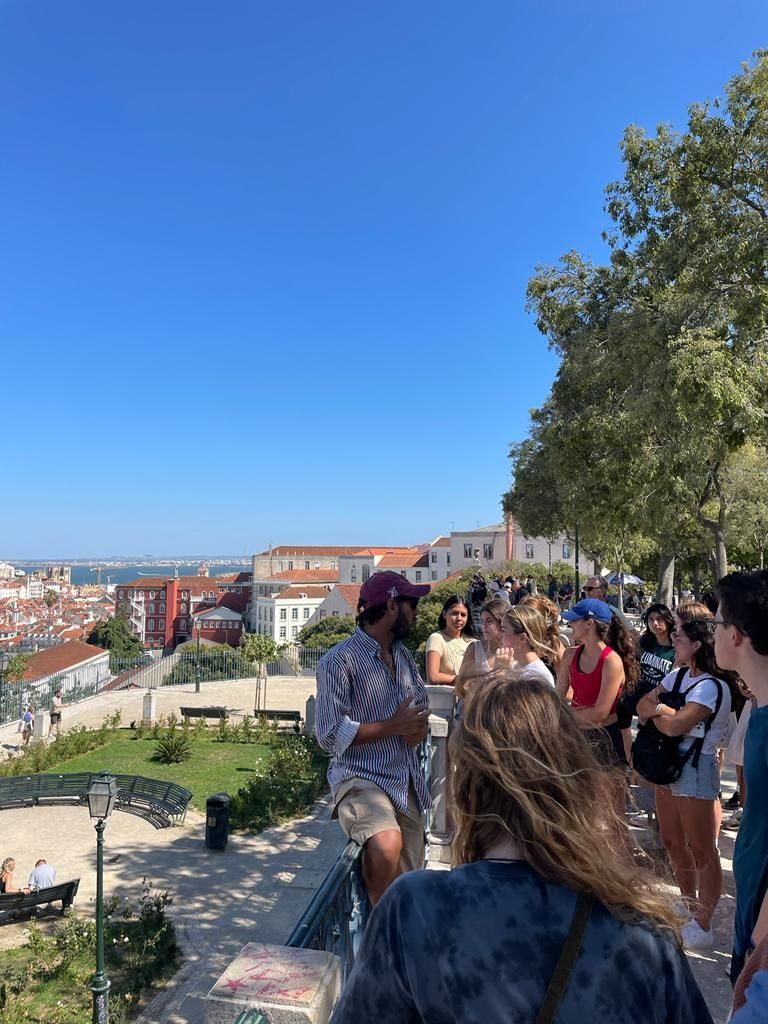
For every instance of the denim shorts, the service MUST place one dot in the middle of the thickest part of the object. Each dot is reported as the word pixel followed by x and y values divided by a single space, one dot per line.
pixel 702 782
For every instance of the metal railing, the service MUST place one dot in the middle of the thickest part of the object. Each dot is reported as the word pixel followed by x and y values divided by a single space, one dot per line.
pixel 335 918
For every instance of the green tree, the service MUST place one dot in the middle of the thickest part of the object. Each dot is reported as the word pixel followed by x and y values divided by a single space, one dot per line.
pixel 328 631
pixel 664 367
pixel 745 478
pixel 429 607
pixel 50 598
pixel 16 667
pixel 260 649
pixel 115 636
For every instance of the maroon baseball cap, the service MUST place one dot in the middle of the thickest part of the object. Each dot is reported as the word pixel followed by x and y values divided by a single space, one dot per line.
pixel 379 587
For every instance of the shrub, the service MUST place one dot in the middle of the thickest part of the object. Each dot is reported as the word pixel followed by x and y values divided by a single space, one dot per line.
pixel 42 756
pixel 172 749
pixel 292 759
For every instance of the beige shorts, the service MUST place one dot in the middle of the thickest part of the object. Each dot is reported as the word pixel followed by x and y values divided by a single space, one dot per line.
pixel 363 809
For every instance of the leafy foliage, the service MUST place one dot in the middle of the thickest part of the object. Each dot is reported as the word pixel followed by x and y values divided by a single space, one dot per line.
pixel 294 778
pixel 114 635
pixel 173 748
pixel 328 631
pixel 41 757
pixel 260 649
pixel 211 663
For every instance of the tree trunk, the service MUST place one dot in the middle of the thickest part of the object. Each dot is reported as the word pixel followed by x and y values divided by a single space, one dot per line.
pixel 666 578
pixel 697 580
pixel 721 555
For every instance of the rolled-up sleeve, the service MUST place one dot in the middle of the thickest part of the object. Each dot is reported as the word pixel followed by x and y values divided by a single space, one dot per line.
pixel 335 729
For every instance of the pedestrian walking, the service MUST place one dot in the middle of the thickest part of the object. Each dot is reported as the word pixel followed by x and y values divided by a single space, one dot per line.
pixel 372 713
pixel 56 709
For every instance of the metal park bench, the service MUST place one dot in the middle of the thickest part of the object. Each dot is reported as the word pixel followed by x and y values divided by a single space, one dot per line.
pixel 167 799
pixel 281 716
pixel 204 712
pixel 64 891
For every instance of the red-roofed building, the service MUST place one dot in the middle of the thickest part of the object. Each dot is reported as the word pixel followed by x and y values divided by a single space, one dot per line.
pixel 160 608
pixel 71 667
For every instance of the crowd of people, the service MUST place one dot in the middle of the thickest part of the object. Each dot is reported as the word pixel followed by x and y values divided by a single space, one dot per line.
pixel 548 905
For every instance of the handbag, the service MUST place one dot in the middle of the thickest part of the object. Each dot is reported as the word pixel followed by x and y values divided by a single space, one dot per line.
pixel 657 756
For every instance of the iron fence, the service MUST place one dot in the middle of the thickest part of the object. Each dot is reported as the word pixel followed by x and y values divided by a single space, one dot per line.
pixel 16 695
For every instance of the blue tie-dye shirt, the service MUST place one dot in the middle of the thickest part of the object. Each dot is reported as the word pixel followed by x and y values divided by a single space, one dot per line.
pixel 480 944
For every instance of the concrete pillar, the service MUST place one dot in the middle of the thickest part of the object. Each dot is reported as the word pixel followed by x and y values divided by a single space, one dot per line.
pixel 42 725
pixel 287 985
pixel 309 716
pixel 441 716
pixel 149 709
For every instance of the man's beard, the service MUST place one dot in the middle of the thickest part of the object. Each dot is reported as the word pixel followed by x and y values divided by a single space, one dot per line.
pixel 401 627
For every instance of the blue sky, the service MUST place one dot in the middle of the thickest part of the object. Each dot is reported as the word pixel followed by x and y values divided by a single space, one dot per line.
pixel 263 265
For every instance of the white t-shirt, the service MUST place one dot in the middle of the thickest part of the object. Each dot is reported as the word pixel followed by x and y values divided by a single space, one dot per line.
pixel 537 670
pixel 451 651
pixel 703 691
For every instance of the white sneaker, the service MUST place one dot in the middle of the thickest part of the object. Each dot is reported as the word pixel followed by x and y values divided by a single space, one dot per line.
pixel 694 936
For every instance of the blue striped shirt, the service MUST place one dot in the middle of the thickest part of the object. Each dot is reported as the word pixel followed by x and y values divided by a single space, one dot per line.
pixel 354 686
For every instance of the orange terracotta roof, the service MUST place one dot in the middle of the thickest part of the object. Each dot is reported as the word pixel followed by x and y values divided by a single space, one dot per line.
pixel 407 560
pixel 294 593
pixel 351 594
pixel 441 542
pixel 61 657
pixel 309 549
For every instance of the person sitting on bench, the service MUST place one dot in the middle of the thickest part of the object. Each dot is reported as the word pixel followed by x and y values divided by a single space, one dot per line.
pixel 6 877
pixel 43 875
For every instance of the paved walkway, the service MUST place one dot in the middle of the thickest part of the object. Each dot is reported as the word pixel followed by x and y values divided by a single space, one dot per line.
pixel 256 889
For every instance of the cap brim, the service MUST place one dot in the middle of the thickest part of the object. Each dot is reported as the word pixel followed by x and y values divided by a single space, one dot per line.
pixel 417 590
pixel 571 616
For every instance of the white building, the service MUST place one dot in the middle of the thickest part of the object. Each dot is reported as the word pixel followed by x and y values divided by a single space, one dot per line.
pixel 284 614
pixel 7 571
pixel 487 546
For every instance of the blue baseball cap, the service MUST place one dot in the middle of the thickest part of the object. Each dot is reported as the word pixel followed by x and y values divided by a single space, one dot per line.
pixel 589 608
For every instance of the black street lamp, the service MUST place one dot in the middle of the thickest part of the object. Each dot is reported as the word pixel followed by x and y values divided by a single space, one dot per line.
pixel 102 797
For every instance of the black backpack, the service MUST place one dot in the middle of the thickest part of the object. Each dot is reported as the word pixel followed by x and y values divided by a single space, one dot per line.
pixel 657 757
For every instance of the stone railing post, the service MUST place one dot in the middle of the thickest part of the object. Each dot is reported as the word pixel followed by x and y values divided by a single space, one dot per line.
pixel 309 716
pixel 441 716
pixel 286 984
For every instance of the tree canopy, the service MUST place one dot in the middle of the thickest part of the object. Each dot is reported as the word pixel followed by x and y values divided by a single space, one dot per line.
pixel 114 635
pixel 663 376
pixel 328 631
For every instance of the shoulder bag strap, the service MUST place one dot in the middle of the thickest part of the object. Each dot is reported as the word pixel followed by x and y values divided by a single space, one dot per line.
pixel 565 964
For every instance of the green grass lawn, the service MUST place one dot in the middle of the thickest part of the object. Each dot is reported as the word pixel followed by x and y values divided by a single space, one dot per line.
pixel 214 767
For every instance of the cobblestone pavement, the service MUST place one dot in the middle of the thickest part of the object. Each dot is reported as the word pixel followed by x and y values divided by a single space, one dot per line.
pixel 257 888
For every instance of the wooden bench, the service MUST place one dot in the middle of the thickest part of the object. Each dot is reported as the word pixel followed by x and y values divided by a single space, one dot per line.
pixel 64 891
pixel 205 712
pixel 281 716
pixel 165 798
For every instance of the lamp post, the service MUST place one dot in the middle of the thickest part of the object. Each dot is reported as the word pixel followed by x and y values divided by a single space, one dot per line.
pixel 101 802
pixel 197 660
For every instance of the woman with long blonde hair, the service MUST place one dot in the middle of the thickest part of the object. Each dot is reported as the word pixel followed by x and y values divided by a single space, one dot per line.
pixel 543 916
pixel 480 658
pixel 551 614
pixel 524 633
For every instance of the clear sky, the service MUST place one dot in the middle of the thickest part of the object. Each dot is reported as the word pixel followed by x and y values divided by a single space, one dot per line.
pixel 263 265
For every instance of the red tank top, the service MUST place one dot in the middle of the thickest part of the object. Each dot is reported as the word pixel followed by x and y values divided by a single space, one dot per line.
pixel 586 685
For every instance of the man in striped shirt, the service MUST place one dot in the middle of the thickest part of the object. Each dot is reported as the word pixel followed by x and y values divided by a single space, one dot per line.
pixel 372 713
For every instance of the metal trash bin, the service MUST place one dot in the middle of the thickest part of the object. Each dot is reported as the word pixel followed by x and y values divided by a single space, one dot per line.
pixel 217 821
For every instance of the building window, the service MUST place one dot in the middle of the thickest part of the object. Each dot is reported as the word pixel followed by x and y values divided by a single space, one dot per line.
pixel 161 624
pixel 366 572
pixel 418 576
pixel 447 559
pixel 151 625
pixel 184 593
pixel 467 550
pixel 182 623
pixel 121 594
pixel 282 633
pixel 294 613
pixel 283 614
pixel 529 550
pixel 294 631
pixel 333 564
pixel 487 550
pixel 279 566
pixel 183 606
pixel 433 558
pixel 317 565
pixel 290 567
pixel 151 594
pixel 151 609
pixel 162 607
pixel 353 574
pixel 306 613
pixel 434 574
pixel 306 565
pixel 566 550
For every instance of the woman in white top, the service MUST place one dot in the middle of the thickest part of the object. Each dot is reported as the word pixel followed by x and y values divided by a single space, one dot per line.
pixel 447 647
pixel 686 809
pixel 524 635
pixel 481 657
